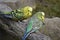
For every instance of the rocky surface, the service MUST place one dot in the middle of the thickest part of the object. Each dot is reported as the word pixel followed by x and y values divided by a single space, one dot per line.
pixel 5 8
pixel 14 4
pixel 11 30
pixel 52 28
pixel 39 36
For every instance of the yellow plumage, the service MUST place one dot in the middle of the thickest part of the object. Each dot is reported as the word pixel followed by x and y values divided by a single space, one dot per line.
pixel 18 14
pixel 27 11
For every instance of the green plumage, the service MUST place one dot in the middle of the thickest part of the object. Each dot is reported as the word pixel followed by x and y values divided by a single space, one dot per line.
pixel 19 14
pixel 36 22
pixel 29 27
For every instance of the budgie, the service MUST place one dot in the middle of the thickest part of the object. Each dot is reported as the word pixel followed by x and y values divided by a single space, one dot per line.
pixel 18 14
pixel 34 24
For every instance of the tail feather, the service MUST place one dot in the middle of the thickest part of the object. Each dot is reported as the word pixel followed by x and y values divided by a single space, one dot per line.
pixel 25 36
pixel 2 15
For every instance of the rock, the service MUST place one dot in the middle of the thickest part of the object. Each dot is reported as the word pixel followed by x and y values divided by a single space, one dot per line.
pixel 39 37
pixel 15 31
pixel 8 0
pixel 5 8
pixel 15 4
pixel 52 28
pixel 51 31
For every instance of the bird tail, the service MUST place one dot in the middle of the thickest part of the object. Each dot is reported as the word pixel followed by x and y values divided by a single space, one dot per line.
pixel 1 12
pixel 2 15
pixel 25 36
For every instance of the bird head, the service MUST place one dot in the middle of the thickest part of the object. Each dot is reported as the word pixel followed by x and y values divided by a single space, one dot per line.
pixel 27 11
pixel 41 16
pixel 28 8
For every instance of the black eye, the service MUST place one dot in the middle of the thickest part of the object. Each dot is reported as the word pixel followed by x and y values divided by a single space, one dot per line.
pixel 41 17
pixel 28 10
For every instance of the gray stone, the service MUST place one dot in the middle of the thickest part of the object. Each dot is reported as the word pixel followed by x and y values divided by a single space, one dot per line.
pixel 5 8
pixel 39 36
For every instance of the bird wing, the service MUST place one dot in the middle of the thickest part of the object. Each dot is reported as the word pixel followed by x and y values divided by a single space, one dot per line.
pixel 28 29
pixel 29 26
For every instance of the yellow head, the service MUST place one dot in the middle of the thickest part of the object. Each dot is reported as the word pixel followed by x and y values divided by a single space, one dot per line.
pixel 41 15
pixel 28 8
pixel 27 11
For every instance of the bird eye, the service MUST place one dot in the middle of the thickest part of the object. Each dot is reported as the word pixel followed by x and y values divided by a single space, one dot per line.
pixel 29 11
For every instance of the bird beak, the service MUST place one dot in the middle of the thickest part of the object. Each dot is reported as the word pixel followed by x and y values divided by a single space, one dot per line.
pixel 43 18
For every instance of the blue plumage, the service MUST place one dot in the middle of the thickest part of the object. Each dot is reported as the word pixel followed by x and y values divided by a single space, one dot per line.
pixel 25 36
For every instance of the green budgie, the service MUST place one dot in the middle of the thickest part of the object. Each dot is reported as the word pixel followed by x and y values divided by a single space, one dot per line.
pixel 35 23
pixel 19 14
